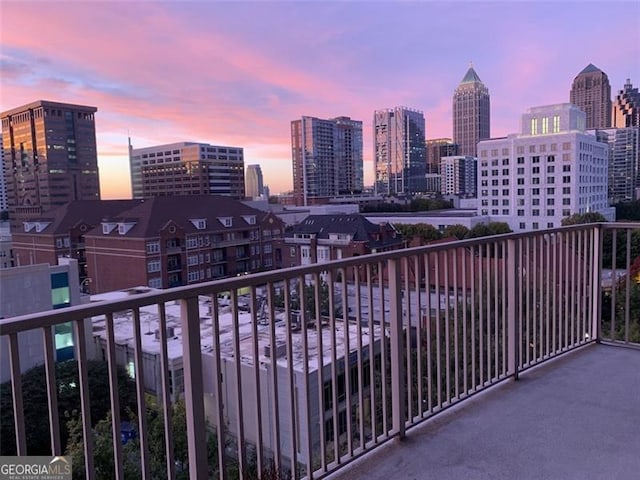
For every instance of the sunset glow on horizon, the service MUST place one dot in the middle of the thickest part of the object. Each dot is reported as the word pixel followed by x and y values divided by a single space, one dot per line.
pixel 237 73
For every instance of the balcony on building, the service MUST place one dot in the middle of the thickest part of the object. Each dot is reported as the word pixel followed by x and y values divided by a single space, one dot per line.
pixel 512 356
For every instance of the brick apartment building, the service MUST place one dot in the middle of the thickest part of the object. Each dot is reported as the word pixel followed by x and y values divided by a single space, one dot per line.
pixel 322 238
pixel 161 242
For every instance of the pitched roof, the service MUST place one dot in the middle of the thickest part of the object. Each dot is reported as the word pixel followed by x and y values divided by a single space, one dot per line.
pixel 91 212
pixel 357 226
pixel 591 68
pixel 471 77
pixel 151 215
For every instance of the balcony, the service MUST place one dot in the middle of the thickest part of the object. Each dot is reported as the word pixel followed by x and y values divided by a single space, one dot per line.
pixel 488 358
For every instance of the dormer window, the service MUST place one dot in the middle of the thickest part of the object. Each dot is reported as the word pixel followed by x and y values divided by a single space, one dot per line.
pixel 250 219
pixel 107 227
pixel 40 226
pixel 124 227
pixel 28 226
pixel 199 223
pixel 226 221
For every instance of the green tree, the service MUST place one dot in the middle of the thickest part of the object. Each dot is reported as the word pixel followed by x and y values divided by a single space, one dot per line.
pixel 488 229
pixel 628 211
pixel 36 410
pixel 581 218
pixel 458 231
pixel 425 233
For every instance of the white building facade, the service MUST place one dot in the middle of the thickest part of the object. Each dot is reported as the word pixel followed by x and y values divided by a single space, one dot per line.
pixel 552 169
pixel 458 175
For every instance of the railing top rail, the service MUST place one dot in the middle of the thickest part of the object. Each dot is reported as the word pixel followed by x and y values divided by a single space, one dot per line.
pixel 54 317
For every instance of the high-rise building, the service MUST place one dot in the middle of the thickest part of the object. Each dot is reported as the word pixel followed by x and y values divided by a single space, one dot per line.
pixel 552 169
pixel 458 175
pixel 471 113
pixel 399 151
pixel 436 149
pixel 624 162
pixel 4 206
pixel 50 156
pixel 253 182
pixel 327 158
pixel 591 92
pixel 187 168
pixel 626 107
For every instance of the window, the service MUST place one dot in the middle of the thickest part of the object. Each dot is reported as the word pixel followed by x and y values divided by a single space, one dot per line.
pixel 535 191
pixel 550 169
pixel 155 282
pixel 566 201
pixel 193 276
pixel 550 201
pixel 566 179
pixel 535 159
pixel 153 266
pixel 566 168
pixel 566 190
pixel 520 191
pixel 550 225
pixel 192 260
pixel 535 212
pixel 521 213
pixel 522 226
pixel 520 160
pixel 551 179
pixel 505 211
pixel 534 126
pixel 535 180
pixel 192 242
pixel 551 191
pixel 535 170
pixel 153 247
pixel 534 225
pixel 520 170
pixel 556 123
pixel 505 191
pixel 226 221
pixel 550 212
pixel 535 201
pixel 545 125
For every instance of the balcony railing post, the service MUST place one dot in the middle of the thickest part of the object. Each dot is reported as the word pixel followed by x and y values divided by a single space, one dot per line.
pixel 193 388
pixel 398 387
pixel 596 262
pixel 513 324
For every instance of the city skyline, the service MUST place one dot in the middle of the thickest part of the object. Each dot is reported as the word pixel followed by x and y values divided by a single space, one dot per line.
pixel 238 73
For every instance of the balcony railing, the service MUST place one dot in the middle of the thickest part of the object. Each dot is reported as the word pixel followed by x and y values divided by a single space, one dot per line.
pixel 299 371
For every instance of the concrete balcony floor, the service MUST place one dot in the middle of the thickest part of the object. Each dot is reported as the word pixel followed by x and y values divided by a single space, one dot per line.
pixel 577 417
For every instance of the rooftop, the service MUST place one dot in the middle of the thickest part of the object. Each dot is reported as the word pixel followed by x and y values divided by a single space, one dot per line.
pixel 149 325
pixel 574 418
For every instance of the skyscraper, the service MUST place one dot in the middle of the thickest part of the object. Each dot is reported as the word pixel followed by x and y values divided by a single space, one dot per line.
pixel 471 113
pixel 591 92
pixel 399 151
pixel 458 175
pixel 326 157
pixel 50 156
pixel 3 180
pixel 253 182
pixel 436 149
pixel 626 107
pixel 624 162
pixel 187 168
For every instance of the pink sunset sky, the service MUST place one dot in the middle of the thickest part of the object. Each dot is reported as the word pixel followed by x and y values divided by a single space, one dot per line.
pixel 237 73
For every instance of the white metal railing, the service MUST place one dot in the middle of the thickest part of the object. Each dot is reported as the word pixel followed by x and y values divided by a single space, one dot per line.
pixel 307 368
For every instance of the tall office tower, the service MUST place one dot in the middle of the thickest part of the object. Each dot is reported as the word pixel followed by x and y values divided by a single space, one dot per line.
pixel 591 92
pixel 626 107
pixel 253 182
pixel 326 157
pixel 458 175
pixel 471 113
pixel 551 170
pixel 399 151
pixel 624 162
pixel 3 180
pixel 50 156
pixel 436 149
pixel 187 168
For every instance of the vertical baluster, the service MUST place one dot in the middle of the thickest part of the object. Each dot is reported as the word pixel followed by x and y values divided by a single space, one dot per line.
pixel 166 396
pixel 114 396
pixel 52 390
